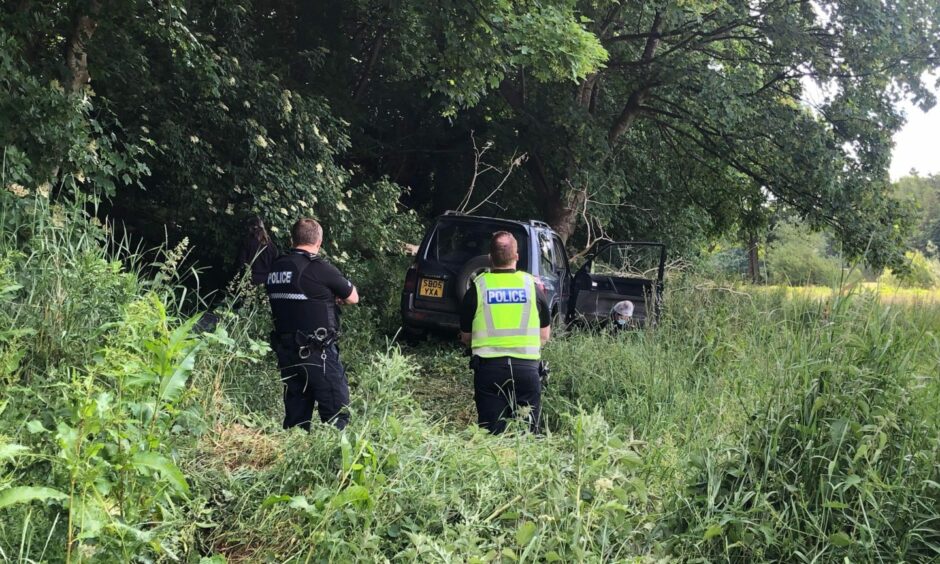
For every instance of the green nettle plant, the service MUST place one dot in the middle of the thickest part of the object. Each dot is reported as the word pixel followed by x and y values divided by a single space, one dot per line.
pixel 113 467
pixel 114 444
pixel 95 370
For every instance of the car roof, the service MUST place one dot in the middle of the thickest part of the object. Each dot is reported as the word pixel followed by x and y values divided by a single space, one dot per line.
pixel 452 215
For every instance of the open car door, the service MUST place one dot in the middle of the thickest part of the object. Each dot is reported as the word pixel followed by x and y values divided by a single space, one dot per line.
pixel 616 272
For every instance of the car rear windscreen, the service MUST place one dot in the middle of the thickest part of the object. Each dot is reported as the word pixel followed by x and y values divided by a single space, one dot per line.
pixel 456 242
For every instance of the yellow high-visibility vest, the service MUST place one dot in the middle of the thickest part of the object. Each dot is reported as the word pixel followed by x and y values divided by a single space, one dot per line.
pixel 507 318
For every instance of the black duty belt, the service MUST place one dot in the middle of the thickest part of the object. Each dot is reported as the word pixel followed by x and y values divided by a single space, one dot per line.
pixel 321 338
pixel 505 360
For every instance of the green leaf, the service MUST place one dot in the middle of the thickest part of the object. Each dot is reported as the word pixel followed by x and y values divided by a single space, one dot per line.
pixel 165 466
pixel 35 426
pixel 713 531
pixel 351 495
pixel 852 480
pixel 525 533
pixel 837 430
pixel 345 452
pixel 9 289
pixel 631 460
pixel 300 502
pixel 862 451
pixel 840 539
pixel 172 385
pixel 275 499
pixel 23 494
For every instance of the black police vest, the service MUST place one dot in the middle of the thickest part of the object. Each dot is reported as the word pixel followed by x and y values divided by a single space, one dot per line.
pixel 293 310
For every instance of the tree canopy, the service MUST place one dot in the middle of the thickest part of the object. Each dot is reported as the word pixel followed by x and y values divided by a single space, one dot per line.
pixel 676 120
pixel 923 195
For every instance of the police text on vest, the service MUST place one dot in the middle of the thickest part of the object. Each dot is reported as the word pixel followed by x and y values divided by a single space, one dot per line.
pixel 507 296
pixel 280 277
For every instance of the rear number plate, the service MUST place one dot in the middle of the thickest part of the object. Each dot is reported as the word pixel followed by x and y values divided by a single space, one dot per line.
pixel 431 288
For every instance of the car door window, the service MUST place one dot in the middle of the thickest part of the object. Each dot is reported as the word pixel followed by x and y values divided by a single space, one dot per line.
pixel 546 261
pixel 561 256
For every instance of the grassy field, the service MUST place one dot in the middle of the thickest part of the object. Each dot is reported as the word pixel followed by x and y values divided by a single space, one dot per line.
pixel 889 294
pixel 748 426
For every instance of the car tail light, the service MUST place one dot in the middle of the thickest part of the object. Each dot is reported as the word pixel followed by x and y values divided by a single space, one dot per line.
pixel 411 279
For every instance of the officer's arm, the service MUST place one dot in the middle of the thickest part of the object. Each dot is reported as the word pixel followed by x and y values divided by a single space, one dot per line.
pixel 352 299
pixel 545 315
pixel 468 308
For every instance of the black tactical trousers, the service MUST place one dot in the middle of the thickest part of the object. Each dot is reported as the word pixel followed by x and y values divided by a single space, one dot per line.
pixel 501 386
pixel 318 379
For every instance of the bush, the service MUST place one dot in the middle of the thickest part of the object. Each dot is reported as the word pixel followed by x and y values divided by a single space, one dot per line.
pixel 798 256
pixel 924 272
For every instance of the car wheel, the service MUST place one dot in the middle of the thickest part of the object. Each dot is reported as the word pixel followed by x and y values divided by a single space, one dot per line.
pixel 559 325
pixel 471 269
pixel 412 335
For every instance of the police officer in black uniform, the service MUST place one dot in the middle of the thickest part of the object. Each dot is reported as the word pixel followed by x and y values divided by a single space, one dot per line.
pixel 305 291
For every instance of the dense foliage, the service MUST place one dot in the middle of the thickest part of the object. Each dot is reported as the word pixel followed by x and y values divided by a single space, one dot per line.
pixel 923 193
pixel 670 120
pixel 185 128
pixel 694 120
pixel 745 427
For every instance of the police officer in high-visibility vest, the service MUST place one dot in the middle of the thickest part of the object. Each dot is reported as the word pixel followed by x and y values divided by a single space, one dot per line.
pixel 305 291
pixel 505 319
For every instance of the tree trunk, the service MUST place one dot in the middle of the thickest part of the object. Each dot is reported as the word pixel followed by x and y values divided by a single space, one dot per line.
pixel 563 213
pixel 753 264
pixel 76 57
pixel 374 54
pixel 633 105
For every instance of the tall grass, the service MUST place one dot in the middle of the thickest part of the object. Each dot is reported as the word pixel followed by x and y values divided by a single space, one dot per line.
pixel 745 427
pixel 797 429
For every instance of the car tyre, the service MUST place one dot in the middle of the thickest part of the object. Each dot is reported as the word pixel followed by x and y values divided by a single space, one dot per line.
pixel 471 269
pixel 413 336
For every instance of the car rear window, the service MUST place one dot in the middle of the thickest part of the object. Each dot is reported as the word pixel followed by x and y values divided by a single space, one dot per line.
pixel 456 242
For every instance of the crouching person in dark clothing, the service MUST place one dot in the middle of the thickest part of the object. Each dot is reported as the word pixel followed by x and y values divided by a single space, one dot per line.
pixel 505 319
pixel 305 291
pixel 257 252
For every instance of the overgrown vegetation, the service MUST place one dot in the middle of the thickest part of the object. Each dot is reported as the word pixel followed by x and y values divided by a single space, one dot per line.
pixel 745 427
pixel 748 425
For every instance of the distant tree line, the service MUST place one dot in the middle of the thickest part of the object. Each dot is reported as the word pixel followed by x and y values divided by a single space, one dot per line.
pixel 790 252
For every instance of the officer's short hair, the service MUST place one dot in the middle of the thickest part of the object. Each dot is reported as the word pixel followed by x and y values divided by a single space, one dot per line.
pixel 504 249
pixel 306 231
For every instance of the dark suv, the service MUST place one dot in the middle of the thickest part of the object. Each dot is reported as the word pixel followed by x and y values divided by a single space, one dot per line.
pixel 456 249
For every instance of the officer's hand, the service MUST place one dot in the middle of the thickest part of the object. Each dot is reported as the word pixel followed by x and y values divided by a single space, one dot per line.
pixel 544 373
